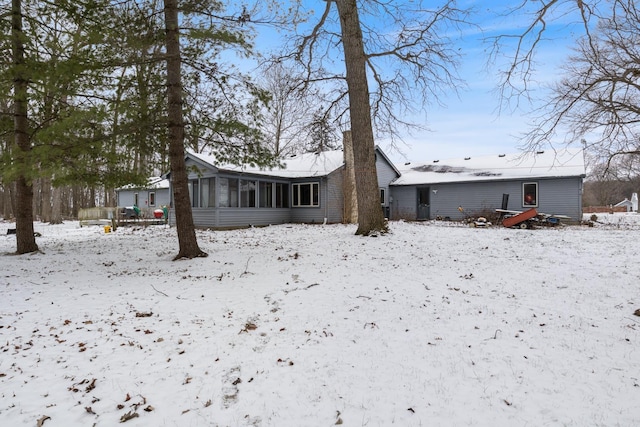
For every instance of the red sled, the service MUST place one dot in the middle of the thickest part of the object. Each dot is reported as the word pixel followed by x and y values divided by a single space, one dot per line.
pixel 520 218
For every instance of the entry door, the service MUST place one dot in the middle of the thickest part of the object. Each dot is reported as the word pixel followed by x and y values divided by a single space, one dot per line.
pixel 424 203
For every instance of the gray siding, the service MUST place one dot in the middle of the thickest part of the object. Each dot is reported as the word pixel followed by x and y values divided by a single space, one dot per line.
pixel 127 198
pixel 404 202
pixel 555 196
pixel 386 174
pixel 561 197
pixel 335 199
pixel 317 215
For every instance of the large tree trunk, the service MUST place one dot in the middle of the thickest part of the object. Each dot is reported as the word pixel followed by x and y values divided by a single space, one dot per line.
pixel 188 243
pixel 25 238
pixel 370 217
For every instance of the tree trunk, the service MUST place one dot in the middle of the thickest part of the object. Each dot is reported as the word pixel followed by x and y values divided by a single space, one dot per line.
pixel 25 238
pixel 56 209
pixel 187 241
pixel 45 192
pixel 370 217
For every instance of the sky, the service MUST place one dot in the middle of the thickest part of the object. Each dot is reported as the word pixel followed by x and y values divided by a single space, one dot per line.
pixel 473 121
pixel 309 325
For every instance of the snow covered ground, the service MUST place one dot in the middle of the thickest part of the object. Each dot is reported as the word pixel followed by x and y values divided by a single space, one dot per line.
pixel 436 324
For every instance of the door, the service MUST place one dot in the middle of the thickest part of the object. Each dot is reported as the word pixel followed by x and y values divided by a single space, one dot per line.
pixel 424 203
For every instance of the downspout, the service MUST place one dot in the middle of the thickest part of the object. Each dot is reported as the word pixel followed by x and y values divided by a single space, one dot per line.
pixel 326 200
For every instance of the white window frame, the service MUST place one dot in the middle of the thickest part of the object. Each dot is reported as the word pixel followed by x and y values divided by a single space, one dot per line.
pixel 533 204
pixel 295 187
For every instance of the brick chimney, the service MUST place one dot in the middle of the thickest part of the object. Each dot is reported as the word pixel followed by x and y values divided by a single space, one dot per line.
pixel 349 181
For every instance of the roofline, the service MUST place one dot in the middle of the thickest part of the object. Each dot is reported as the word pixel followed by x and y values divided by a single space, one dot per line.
pixel 473 181
pixel 393 166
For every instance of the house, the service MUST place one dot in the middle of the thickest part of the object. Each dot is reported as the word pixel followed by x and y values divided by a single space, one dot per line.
pixel 307 188
pixel 311 188
pixel 454 189
pixel 153 196
pixel 626 204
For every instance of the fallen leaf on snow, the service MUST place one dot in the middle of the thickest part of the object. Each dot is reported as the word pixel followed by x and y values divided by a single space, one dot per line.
pixel 41 420
pixel 141 314
pixel 128 416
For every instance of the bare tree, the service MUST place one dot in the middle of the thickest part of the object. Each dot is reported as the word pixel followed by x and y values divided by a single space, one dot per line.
pixel 598 96
pixel 600 93
pixel 287 112
pixel 405 49
pixel 370 217
pixel 322 135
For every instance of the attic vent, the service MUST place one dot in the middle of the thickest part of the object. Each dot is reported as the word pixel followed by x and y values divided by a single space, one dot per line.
pixel 501 155
pixel 467 158
pixel 539 152
pixel 436 161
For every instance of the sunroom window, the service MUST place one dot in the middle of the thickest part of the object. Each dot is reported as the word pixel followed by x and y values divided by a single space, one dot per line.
pixel 247 193
pixel 228 193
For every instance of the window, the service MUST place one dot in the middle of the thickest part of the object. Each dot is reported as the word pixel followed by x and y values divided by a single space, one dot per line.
pixel 228 193
pixel 135 199
pixel 265 194
pixel 247 193
pixel 307 194
pixel 530 194
pixel 208 193
pixel 194 193
pixel 383 196
pixel 282 195
pixel 152 198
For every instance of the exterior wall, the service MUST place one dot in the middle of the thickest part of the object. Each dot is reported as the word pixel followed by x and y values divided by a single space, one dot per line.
pixel 239 217
pixel 555 196
pixel 335 199
pixel 229 217
pixel 386 174
pixel 404 202
pixel 317 214
pixel 127 198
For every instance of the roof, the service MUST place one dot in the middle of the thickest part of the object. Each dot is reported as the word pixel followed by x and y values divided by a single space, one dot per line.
pixel 625 202
pixel 297 166
pixel 153 183
pixel 543 164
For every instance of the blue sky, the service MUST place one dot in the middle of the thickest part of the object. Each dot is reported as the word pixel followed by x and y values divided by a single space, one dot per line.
pixel 472 122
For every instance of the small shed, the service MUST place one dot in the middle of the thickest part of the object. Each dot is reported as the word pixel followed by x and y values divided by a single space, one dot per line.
pixel 148 198
pixel 626 203
pixel 454 189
